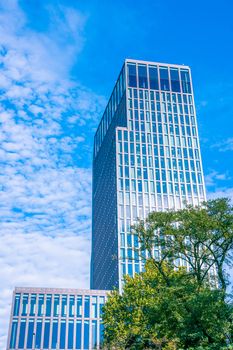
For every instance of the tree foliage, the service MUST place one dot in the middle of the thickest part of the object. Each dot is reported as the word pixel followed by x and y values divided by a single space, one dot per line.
pixel 168 306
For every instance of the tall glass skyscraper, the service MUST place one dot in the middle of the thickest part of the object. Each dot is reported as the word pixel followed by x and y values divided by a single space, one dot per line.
pixel 146 158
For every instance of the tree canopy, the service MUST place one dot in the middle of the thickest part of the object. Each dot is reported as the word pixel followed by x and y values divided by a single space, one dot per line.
pixel 180 301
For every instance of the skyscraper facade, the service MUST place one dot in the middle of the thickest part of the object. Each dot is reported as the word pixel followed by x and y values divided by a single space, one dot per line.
pixel 55 318
pixel 146 158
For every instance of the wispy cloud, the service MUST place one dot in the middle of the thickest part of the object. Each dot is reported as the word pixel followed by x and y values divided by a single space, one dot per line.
pixel 45 205
pixel 214 177
pixel 226 145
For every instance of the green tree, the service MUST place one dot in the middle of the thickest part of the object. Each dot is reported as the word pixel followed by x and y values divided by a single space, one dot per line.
pixel 177 308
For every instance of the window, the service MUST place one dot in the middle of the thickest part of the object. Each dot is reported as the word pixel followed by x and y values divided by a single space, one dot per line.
pixel 94 334
pixel 56 305
pixel 101 304
pixel 54 335
pixel 78 334
pixel 16 305
pixel 13 334
pixel 164 80
pixel 94 307
pixel 38 334
pixel 62 335
pixel 71 308
pixel 142 76
pixel 41 305
pixel 64 305
pixel 48 304
pixel 86 335
pixel 175 81
pixel 153 78
pixel 33 304
pixel 70 334
pixel 132 77
pixel 185 81
pixel 25 305
pixel 87 306
pixel 46 334
pixel 22 334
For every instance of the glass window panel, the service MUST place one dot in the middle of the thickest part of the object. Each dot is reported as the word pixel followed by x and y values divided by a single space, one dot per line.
pixel 101 335
pixel 30 334
pixel 48 304
pixel 153 77
pixel 25 305
pixel 94 334
pixel 70 335
pixel 54 335
pixel 87 306
pixel 62 335
pixel 101 304
pixel 46 334
pixel 64 305
pixel 71 308
pixel 142 76
pixel 175 81
pixel 185 81
pixel 13 334
pixel 86 335
pixel 38 335
pixel 78 334
pixel 41 305
pixel 94 307
pixel 32 305
pixel 16 305
pixel 56 305
pixel 22 334
pixel 164 80
pixel 132 78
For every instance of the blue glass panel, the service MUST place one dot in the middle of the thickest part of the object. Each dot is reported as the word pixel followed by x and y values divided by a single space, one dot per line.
pixel 54 335
pixel 175 81
pixel 46 335
pixel 25 305
pixel 56 305
pixel 142 76
pixel 22 334
pixel 94 307
pixel 79 306
pixel 38 334
pixel 101 304
pixel 86 335
pixel 132 78
pixel 13 334
pixel 87 306
pixel 41 305
pixel 164 80
pixel 70 335
pixel 101 333
pixel 71 308
pixel 78 334
pixel 153 77
pixel 94 334
pixel 48 304
pixel 32 305
pixel 185 81
pixel 64 305
pixel 63 335
pixel 16 305
pixel 30 334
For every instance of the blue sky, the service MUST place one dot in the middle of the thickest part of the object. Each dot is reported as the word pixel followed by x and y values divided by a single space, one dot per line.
pixel 59 61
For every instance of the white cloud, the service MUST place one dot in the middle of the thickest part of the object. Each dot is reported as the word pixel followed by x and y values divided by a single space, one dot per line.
pixel 226 145
pixel 213 177
pixel 45 206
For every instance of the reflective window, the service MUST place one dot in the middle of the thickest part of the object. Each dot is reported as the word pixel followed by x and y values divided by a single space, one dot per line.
pixel 71 308
pixel 64 305
pixel 41 305
pixel 46 334
pixel 48 304
pixel 132 78
pixel 87 306
pixel 175 81
pixel 94 307
pixel 101 333
pixel 78 334
pixel 13 334
pixel 164 80
pixel 16 305
pixel 38 334
pixel 101 304
pixel 70 334
pixel 62 335
pixel 153 78
pixel 185 81
pixel 30 334
pixel 86 335
pixel 94 334
pixel 22 334
pixel 54 335
pixel 32 305
pixel 142 76
pixel 56 305
pixel 25 305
